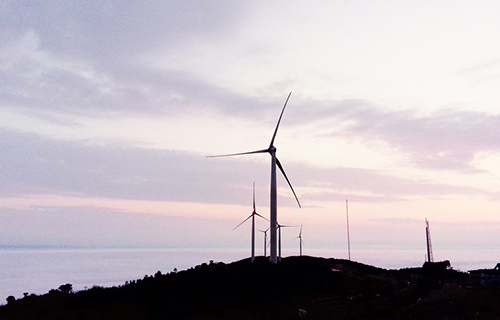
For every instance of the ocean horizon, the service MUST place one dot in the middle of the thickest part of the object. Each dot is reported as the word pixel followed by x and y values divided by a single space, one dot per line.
pixel 36 270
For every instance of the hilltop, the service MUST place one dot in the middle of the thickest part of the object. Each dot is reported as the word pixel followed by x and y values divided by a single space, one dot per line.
pixel 320 288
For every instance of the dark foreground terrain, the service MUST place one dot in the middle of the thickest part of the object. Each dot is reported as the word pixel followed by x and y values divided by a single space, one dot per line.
pixel 298 287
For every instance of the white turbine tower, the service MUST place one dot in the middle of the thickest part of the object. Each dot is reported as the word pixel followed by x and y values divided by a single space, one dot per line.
pixel 274 203
pixel 300 240
pixel 252 215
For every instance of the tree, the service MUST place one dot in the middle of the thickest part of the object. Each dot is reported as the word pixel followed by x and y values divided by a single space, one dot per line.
pixel 66 288
pixel 10 299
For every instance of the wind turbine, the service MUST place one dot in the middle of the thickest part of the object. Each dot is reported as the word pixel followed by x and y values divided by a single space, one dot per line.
pixel 274 202
pixel 279 238
pixel 300 238
pixel 252 215
pixel 265 240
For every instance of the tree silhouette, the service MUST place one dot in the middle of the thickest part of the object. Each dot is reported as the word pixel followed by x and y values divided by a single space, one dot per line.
pixel 66 288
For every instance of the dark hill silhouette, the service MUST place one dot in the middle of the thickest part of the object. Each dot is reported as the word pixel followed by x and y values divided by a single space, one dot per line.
pixel 320 288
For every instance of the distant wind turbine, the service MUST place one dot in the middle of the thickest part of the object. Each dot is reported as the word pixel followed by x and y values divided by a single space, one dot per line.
pixel 265 240
pixel 300 240
pixel 274 202
pixel 252 215
pixel 279 238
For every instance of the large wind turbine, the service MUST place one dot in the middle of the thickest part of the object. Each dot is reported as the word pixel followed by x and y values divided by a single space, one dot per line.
pixel 274 203
pixel 252 215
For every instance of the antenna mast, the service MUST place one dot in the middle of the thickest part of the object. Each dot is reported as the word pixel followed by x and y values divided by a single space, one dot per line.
pixel 348 238
pixel 430 258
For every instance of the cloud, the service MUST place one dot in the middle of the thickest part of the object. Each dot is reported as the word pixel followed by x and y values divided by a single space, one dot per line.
pixel 80 58
pixel 365 185
pixel 33 164
pixel 111 32
pixel 51 86
pixel 97 227
pixel 94 59
pixel 483 73
pixel 42 83
pixel 446 139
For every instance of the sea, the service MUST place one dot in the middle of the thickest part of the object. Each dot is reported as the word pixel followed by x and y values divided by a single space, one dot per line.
pixel 34 270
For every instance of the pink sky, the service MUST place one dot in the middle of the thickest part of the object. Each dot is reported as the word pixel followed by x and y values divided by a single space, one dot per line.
pixel 108 111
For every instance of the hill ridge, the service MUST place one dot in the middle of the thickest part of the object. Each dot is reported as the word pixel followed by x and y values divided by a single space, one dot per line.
pixel 323 288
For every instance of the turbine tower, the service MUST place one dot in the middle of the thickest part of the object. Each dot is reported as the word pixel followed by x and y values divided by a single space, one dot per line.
pixel 252 215
pixel 430 257
pixel 348 237
pixel 274 202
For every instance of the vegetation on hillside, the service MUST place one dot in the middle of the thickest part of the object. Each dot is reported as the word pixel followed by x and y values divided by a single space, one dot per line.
pixel 298 287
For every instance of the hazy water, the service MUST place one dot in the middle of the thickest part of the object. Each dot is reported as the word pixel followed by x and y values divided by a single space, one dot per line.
pixel 39 270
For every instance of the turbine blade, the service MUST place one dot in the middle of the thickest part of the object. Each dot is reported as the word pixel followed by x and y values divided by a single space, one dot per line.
pixel 243 222
pixel 238 154
pixel 300 233
pixel 284 174
pixel 260 216
pixel 279 120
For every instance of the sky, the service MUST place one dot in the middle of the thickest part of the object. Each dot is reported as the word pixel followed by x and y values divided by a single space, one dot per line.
pixel 109 109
